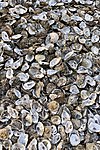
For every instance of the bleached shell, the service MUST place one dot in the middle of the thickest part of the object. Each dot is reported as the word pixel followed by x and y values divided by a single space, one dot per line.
pixel 55 119
pixel 95 50
pixel 41 146
pixel 53 106
pixel 78 30
pixel 3 4
pixel 35 73
pixel 82 69
pixel 18 51
pixel 68 55
pixel 95 38
pixel 76 18
pixel 17 93
pixel 82 25
pixel 40 49
pixel 42 16
pixel 18 145
pixel 84 94
pixel 9 62
pixel 90 100
pixel 23 76
pixel 61 81
pixel 1 59
pixel 52 2
pixel 51 72
pixel 4 134
pixel 19 9
pixel 28 85
pixel 74 139
pixel 31 30
pixel 17 36
pixel 65 116
pixel 74 89
pixel 39 58
pixel 56 138
pixel 35 117
pixel 88 17
pixel 29 57
pixel 17 63
pixel 90 80
pixel 25 67
pixel 86 63
pixel 94 127
pixel 40 128
pixel 82 40
pixel 54 62
pixel 73 64
pixel 77 47
pixel 53 37
pixel 86 32
pixel 5 36
pixel 68 126
pixel 32 144
pixel 27 118
pixel 23 139
pixel 47 143
pixel 12 112
pixel 9 73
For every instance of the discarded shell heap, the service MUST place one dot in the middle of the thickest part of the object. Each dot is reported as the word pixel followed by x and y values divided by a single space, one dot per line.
pixel 50 75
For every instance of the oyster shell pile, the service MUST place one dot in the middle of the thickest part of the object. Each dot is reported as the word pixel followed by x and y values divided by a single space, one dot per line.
pixel 50 74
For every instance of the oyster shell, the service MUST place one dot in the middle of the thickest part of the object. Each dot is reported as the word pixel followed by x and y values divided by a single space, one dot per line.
pixel 23 139
pixel 23 76
pixel 88 17
pixel 74 139
pixel 18 145
pixel 53 107
pixel 28 85
pixel 40 128
pixel 54 62
pixel 9 73
pixel 19 9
